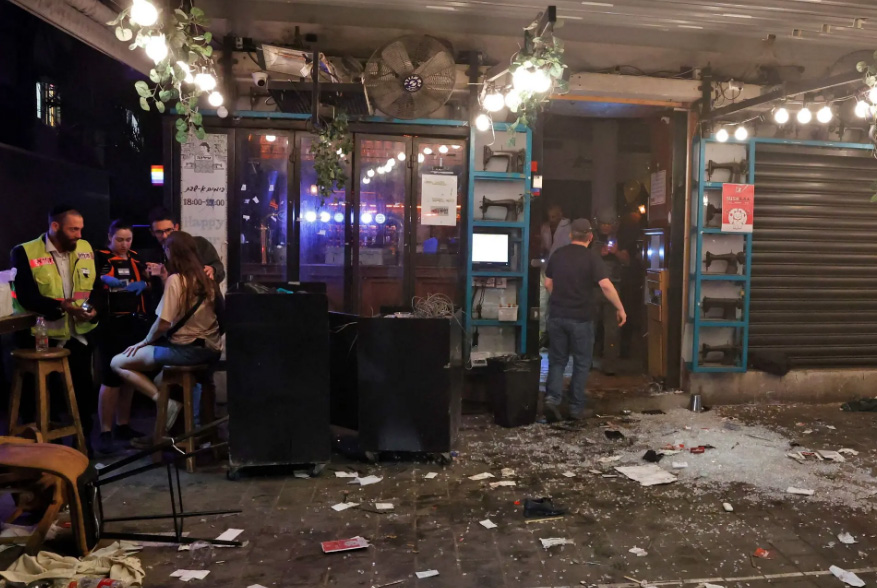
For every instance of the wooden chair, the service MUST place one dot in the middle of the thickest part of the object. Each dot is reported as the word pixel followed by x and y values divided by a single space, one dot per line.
pixel 41 364
pixel 185 377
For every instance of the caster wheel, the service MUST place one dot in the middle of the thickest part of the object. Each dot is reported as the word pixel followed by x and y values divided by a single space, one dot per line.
pixel 233 474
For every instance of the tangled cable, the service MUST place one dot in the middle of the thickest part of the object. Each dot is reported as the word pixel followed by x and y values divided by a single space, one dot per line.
pixel 433 306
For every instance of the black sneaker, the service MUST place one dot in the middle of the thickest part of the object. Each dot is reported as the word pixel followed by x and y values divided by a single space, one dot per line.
pixel 552 413
pixel 105 445
pixel 126 433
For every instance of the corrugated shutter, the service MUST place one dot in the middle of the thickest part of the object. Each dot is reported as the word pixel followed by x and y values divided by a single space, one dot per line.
pixel 814 262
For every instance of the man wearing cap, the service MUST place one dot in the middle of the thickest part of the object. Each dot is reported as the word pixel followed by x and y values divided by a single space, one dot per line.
pixel 572 273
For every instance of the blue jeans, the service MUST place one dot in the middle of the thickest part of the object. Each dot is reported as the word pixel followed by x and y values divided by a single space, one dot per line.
pixel 569 337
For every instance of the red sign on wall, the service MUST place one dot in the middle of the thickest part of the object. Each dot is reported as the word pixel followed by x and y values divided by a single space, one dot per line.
pixel 738 208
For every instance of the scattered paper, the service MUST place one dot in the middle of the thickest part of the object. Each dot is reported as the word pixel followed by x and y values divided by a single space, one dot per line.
pixel 831 455
pixel 569 474
pixel 431 475
pixel 800 491
pixel 344 545
pixel 647 475
pixel 669 451
pixel 846 577
pixel 807 431
pixel 346 474
pixel 301 474
pixel 508 473
pixel 342 506
pixel 845 451
pixel 487 524
pixel 727 506
pixel 503 483
pixel 384 506
pixel 797 456
pixel 483 476
pixel 366 481
pixel 230 535
pixel 426 574
pixel 595 472
pixel 708 585
pixel 610 476
pixel 678 465
pixel 194 546
pixel 554 541
pixel 186 575
pixel 612 459
pixel 846 539
pixel 638 551
pixel 831 427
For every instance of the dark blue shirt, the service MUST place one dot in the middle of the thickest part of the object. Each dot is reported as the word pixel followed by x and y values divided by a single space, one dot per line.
pixel 575 270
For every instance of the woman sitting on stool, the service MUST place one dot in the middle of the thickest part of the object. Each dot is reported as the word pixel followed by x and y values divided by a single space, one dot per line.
pixel 186 329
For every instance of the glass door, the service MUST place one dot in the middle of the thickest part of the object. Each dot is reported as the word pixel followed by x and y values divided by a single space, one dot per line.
pixel 440 191
pixel 381 223
pixel 323 230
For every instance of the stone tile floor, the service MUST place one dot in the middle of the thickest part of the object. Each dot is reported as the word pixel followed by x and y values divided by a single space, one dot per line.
pixel 434 525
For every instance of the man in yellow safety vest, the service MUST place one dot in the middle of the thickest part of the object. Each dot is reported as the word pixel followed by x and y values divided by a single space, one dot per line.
pixel 56 275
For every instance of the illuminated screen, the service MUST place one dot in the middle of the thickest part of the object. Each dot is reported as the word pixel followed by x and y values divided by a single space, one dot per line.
pixel 490 248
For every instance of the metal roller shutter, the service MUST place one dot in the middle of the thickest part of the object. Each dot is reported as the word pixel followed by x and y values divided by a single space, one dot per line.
pixel 814 256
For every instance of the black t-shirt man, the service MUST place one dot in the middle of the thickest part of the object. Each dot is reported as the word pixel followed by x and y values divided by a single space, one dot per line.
pixel 575 271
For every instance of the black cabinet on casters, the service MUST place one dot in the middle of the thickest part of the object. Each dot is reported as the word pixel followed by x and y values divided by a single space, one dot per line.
pixel 278 380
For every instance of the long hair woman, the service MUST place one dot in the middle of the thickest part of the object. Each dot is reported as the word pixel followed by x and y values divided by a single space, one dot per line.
pixel 186 330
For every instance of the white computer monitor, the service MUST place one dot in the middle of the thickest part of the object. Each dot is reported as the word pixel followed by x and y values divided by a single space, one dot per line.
pixel 490 248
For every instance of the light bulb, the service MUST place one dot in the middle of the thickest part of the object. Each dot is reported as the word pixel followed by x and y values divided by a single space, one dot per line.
pixel 366 218
pixel 370 173
pixel 741 134
pixel 311 216
pixel 222 112
pixel 427 151
pixel 722 136
pixel 493 101
pixel 523 79
pixel 366 181
pixel 401 156
pixel 391 162
pixel 421 158
pixel 443 149
pixel 482 122
pixel 382 171
pixel 314 189
pixel 824 115
pixel 872 95
pixel 185 67
pixel 143 13
pixel 325 217
pixel 541 81
pixel 804 116
pixel 457 146
pixel 380 218
pixel 862 109
pixel 339 217
pixel 340 152
pixel 215 98
pixel 270 138
pixel 781 116
pixel 642 208
pixel 513 100
pixel 156 48
pixel 205 81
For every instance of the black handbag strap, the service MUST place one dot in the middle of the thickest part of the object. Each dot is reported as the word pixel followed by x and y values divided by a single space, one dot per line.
pixel 179 325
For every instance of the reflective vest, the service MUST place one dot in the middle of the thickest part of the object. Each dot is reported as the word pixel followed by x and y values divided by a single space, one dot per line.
pixel 50 285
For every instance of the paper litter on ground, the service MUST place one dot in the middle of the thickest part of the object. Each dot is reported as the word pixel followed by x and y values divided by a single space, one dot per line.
pixel 647 475
pixel 186 575
pixel 487 524
pixel 846 577
pixel 679 465
pixel 384 506
pixel 638 551
pixel 366 481
pixel 431 475
pixel 799 491
pixel 832 455
pixel 342 506
pixel 848 451
pixel 346 474
pixel 229 535
pixel 612 459
pixel 426 574
pixel 482 476
pixel 345 544
pixel 502 483
pixel 508 473
pixel 569 474
pixel 727 506
pixel 301 474
pixel 846 538
pixel 553 541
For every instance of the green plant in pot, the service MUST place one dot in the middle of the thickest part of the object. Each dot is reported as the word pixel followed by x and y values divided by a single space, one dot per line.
pixel 537 73
pixel 330 148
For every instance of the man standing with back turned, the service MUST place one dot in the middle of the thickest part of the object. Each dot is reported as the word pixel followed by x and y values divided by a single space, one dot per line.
pixel 572 272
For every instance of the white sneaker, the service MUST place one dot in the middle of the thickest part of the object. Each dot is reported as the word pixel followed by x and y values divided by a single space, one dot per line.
pixel 173 411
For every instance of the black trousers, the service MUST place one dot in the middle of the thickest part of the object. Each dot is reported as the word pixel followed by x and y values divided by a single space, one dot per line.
pixel 83 383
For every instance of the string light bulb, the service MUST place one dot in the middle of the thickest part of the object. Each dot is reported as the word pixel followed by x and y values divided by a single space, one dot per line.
pixel 482 122
pixel 541 81
pixel 824 115
pixel 493 101
pixel 205 81
pixel 722 135
pixel 805 116
pixel 524 78
pixel 185 67
pixel 741 134
pixel 872 95
pixel 215 98
pixel 443 149
pixel 143 13
pixel 862 109
pixel 401 156
pixel 370 173
pixel 222 112
pixel 513 100
pixel 781 116
pixel 156 48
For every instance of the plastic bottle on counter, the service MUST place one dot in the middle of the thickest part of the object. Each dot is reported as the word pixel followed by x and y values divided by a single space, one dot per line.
pixel 97 583
pixel 41 334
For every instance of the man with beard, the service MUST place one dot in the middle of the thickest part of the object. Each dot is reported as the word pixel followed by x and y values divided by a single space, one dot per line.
pixel 56 275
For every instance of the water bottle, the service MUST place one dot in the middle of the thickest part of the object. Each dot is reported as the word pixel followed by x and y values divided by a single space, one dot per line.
pixel 97 583
pixel 41 333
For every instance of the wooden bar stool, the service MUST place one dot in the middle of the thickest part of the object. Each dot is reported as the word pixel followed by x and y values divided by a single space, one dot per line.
pixel 41 364
pixel 184 376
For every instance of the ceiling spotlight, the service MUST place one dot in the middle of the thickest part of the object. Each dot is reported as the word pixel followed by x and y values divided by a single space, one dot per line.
pixel 781 116
pixel 741 134
pixel 427 151
pixel 722 135
pixel 862 109
pixel 401 156
pixel 443 149
pixel 825 114
pixel 493 101
pixel 270 138
pixel 482 122
pixel 370 173
pixel 804 116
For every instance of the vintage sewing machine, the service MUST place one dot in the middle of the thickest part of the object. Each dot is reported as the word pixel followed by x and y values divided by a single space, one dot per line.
pixel 512 207
pixel 738 169
pixel 515 158
pixel 711 212
pixel 729 306
pixel 731 259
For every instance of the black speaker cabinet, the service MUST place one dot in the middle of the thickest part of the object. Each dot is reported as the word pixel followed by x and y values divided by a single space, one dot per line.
pixel 278 380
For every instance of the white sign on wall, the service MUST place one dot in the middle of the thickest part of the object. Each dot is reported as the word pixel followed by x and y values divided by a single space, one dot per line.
pixel 438 200
pixel 204 190
pixel 658 194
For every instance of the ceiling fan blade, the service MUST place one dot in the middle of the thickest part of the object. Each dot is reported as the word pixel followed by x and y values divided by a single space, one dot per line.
pixel 402 107
pixel 395 56
pixel 435 64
